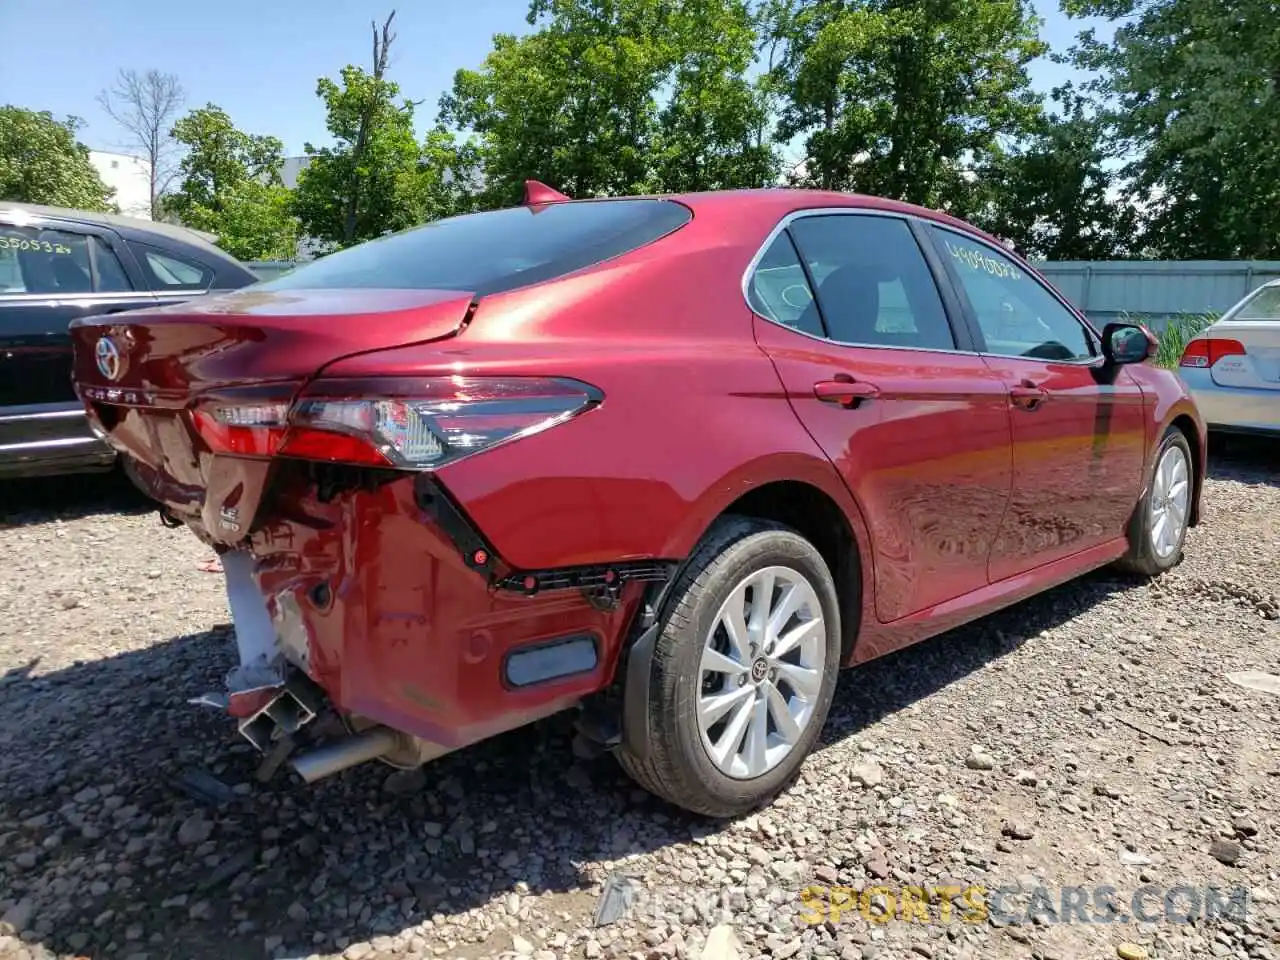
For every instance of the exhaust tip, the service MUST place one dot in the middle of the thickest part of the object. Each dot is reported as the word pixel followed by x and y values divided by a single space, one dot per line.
pixel 348 752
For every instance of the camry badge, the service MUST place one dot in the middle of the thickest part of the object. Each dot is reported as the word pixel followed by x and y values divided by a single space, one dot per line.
pixel 108 357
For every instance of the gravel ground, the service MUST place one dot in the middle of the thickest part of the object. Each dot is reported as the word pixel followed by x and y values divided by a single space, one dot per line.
pixel 1087 737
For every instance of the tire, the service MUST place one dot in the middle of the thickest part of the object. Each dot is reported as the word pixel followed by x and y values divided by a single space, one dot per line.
pixel 1150 555
pixel 680 766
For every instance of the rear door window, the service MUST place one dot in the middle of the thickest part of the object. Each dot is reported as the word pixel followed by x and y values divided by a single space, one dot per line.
pixel 60 262
pixel 490 252
pixel 779 289
pixel 874 286
pixel 169 271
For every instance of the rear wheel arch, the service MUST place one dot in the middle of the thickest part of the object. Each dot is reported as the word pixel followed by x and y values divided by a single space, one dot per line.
pixel 804 498
pixel 815 515
pixel 805 494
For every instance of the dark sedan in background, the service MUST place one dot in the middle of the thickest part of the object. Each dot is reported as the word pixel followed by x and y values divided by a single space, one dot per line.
pixel 57 265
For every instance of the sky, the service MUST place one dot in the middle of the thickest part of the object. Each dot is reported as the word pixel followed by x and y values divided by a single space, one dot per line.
pixel 260 60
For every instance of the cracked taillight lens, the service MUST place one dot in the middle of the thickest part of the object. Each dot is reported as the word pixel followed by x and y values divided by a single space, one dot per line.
pixel 407 424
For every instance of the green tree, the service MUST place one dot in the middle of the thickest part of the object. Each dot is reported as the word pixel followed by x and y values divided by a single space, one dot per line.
pixel 448 175
pixel 371 181
pixel 710 133
pixel 231 187
pixel 42 162
pixel 618 96
pixel 907 99
pixel 1191 90
pixel 571 104
pixel 256 222
pixel 1053 195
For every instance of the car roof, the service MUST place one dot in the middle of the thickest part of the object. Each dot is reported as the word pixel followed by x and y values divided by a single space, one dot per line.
pixel 779 201
pixel 132 227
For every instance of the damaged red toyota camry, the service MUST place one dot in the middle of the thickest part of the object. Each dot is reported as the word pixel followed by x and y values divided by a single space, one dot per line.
pixel 671 461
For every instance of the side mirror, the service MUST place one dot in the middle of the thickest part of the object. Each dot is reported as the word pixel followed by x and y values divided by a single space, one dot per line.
pixel 1127 343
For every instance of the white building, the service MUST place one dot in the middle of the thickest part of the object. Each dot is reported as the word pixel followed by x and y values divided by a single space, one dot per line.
pixel 131 179
pixel 290 169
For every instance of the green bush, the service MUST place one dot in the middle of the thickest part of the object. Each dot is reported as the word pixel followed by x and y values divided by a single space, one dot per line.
pixel 1174 333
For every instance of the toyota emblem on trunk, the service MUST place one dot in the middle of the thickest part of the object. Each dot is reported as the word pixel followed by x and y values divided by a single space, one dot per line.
pixel 108 357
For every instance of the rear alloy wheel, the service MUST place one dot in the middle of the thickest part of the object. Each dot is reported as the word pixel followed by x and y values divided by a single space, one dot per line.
pixel 762 664
pixel 743 672
pixel 1159 526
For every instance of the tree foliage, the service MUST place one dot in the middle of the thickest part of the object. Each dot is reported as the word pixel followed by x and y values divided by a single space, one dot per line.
pixel 1169 149
pixel 376 177
pixel 1191 90
pixel 906 99
pixel 1052 195
pixel 144 105
pixel 712 132
pixel 231 187
pixel 256 222
pixel 618 96
pixel 41 161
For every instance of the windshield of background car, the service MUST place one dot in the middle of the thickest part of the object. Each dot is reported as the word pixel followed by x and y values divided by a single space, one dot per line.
pixel 490 252
pixel 1265 305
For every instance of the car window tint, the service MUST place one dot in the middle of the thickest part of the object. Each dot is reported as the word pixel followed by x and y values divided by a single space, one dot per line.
pixel 874 285
pixel 33 260
pixel 493 251
pixel 1017 315
pixel 171 272
pixel 780 291
pixel 110 275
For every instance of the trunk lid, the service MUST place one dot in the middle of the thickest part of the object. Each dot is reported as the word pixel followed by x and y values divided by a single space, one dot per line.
pixel 1260 366
pixel 256 336
pixel 139 373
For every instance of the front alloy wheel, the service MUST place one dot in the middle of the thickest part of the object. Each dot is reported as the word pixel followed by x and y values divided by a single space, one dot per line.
pixel 1158 528
pixel 1170 500
pixel 742 672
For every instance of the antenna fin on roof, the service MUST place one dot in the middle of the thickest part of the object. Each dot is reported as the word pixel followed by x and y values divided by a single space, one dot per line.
pixel 536 193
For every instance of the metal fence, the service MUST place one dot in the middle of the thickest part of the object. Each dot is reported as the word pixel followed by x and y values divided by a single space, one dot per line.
pixel 1157 289
pixel 1109 289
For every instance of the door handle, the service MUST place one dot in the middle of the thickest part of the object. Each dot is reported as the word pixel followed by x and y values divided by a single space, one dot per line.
pixel 1028 395
pixel 846 392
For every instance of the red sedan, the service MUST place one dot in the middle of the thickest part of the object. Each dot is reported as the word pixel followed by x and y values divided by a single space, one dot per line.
pixel 670 460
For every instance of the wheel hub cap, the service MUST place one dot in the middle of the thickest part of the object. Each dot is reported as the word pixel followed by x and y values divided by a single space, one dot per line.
pixel 761 672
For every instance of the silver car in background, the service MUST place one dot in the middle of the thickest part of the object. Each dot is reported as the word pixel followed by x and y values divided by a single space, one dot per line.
pixel 1233 367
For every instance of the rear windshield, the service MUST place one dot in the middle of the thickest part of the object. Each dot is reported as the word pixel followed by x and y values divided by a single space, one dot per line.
pixel 1265 305
pixel 495 251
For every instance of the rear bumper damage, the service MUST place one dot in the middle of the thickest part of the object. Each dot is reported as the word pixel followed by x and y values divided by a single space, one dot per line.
pixel 382 606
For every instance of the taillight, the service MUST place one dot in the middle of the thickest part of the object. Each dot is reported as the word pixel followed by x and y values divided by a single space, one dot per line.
pixel 1208 351
pixel 245 429
pixel 407 424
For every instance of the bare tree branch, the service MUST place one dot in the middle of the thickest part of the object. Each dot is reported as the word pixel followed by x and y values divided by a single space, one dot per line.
pixel 145 105
pixel 381 46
